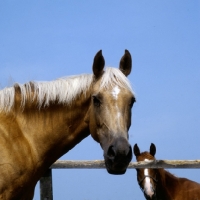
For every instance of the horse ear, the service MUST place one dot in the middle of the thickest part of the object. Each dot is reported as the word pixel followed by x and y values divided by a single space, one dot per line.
pixel 125 64
pixel 136 150
pixel 98 64
pixel 152 149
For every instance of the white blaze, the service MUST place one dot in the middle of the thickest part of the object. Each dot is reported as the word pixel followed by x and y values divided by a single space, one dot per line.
pixel 147 183
pixel 115 92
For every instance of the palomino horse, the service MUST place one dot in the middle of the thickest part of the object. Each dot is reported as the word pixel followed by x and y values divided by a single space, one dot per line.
pixel 159 184
pixel 41 121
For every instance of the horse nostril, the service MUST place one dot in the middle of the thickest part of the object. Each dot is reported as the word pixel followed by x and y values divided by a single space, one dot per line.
pixel 111 152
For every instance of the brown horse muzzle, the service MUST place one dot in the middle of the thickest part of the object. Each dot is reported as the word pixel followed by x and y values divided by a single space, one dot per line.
pixel 148 197
pixel 118 156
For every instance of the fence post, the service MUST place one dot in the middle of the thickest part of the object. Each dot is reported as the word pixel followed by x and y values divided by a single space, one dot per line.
pixel 46 192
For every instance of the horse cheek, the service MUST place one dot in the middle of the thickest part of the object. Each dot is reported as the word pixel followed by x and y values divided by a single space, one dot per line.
pixel 93 128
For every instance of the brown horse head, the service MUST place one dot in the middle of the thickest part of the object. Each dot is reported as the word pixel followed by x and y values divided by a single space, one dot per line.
pixel 42 121
pixel 147 178
pixel 109 115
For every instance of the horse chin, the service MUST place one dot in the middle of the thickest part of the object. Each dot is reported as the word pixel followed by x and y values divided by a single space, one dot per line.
pixel 114 172
pixel 115 168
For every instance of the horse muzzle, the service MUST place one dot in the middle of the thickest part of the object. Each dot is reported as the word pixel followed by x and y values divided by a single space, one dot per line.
pixel 118 156
pixel 150 195
pixel 153 197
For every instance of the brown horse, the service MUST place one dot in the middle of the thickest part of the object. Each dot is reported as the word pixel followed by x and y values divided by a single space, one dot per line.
pixel 41 121
pixel 159 184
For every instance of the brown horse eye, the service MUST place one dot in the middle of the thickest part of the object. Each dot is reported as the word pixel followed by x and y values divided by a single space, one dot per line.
pixel 96 101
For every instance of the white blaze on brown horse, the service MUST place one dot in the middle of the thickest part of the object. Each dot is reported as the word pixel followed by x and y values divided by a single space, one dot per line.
pixel 41 121
pixel 159 184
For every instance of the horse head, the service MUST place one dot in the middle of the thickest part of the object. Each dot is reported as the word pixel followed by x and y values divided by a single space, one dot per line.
pixel 109 115
pixel 147 178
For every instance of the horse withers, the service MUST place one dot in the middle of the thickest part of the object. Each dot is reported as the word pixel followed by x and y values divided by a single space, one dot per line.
pixel 41 121
pixel 159 184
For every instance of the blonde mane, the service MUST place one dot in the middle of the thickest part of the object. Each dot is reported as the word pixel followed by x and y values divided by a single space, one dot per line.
pixel 63 90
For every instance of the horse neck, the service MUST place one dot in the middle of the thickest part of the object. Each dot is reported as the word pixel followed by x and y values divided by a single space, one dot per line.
pixel 32 139
pixel 166 185
pixel 54 130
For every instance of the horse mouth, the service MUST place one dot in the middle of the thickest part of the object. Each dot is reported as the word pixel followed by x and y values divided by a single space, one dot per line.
pixel 116 168
pixel 114 172
pixel 150 198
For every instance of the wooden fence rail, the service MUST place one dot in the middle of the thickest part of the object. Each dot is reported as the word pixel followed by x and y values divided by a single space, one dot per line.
pixel 46 192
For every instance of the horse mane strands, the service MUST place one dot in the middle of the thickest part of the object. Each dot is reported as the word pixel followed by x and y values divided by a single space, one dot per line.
pixel 7 97
pixel 63 90
pixel 114 76
pixel 147 155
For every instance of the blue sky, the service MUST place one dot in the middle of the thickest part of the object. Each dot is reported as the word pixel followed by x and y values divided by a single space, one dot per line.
pixel 45 40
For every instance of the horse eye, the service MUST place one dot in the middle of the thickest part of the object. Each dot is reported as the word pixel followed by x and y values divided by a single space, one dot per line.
pixel 96 101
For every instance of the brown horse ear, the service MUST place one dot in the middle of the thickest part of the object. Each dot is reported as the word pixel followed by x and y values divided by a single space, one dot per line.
pixel 125 64
pixel 153 149
pixel 98 64
pixel 136 150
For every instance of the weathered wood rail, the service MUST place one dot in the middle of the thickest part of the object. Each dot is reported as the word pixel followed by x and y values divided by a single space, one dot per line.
pixel 99 164
pixel 46 181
